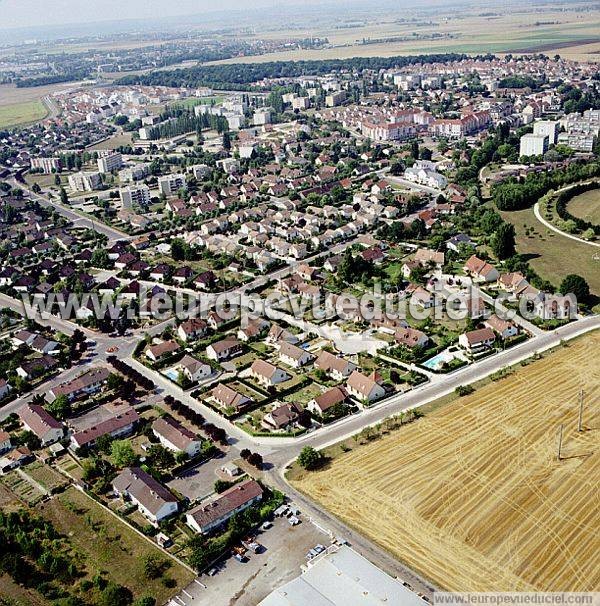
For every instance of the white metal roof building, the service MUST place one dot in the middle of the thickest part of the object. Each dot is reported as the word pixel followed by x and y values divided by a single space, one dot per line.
pixel 342 577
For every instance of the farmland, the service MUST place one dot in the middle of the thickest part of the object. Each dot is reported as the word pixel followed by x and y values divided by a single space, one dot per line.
pixel 17 114
pixel 472 496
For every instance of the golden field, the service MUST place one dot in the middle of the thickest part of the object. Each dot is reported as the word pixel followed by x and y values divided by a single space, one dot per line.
pixel 473 496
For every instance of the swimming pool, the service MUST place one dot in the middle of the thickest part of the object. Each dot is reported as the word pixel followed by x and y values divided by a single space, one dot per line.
pixel 436 362
pixel 172 374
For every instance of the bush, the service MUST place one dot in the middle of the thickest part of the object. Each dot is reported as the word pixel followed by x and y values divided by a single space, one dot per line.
pixel 464 390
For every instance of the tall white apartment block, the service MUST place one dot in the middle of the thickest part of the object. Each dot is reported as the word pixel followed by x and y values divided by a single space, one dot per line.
pixel 135 194
pixel 533 145
pixel 110 162
pixel 170 184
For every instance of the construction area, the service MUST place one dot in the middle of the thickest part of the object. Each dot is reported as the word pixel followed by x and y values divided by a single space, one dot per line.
pixel 496 491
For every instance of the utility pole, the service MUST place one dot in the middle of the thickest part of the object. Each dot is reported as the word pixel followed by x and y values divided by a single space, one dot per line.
pixel 580 421
pixel 560 437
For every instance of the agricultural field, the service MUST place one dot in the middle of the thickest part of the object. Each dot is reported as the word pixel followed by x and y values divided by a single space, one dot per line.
pixel 473 495
pixel 586 206
pixel 551 255
pixel 539 29
pixel 18 114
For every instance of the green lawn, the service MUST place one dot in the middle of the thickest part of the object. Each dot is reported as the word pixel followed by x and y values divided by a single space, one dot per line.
pixel 19 114
pixel 554 256
pixel 586 206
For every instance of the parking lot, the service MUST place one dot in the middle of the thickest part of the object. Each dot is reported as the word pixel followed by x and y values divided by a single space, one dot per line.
pixel 198 482
pixel 245 584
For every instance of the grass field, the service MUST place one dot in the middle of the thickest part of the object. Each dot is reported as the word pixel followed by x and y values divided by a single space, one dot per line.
pixel 586 206
pixel 17 114
pixel 473 496
pixel 105 543
pixel 554 256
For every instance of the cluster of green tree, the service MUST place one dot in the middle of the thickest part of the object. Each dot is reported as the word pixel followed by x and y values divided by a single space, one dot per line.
pixel 563 200
pixel 57 79
pixel 521 82
pixel 513 194
pixel 576 100
pixel 186 122
pixel 232 76
pixel 34 555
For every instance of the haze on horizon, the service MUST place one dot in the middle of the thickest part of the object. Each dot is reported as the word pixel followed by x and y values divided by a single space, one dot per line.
pixel 41 13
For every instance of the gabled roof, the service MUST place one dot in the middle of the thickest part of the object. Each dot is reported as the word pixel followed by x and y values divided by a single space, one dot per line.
pixel 39 420
pixel 144 489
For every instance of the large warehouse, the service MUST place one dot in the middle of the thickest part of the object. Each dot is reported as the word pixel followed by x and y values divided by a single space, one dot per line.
pixel 342 577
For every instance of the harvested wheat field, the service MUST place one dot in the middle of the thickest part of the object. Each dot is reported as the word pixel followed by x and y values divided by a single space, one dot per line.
pixel 473 496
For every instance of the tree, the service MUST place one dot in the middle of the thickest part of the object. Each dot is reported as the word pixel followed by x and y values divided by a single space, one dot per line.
pixel 503 241
pixel 63 196
pixel 161 457
pixel 122 453
pixel 100 259
pixel 115 595
pixel 60 407
pixel 309 458
pixel 154 565
pixel 222 485
pixel 226 140
pixel 576 285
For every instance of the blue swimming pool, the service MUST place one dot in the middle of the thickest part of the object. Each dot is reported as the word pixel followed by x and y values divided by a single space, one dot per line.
pixel 436 362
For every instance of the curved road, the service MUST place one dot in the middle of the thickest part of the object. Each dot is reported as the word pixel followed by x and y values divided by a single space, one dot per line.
pixel 538 216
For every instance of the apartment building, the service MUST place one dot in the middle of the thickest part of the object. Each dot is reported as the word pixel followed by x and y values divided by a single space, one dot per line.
pixel 110 162
pixel 169 185
pixel 136 194
pixel 47 165
pixel 84 181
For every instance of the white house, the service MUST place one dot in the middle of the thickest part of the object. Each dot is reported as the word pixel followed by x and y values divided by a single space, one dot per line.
pixel 477 340
pixel 153 500
pixel 294 356
pixel 40 422
pixel 174 436
pixel 267 374
pixel 193 369
pixel 364 388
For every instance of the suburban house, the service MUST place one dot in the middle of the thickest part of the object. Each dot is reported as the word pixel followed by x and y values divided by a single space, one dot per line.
pixel 425 257
pixel 267 374
pixel 154 501
pixel 481 270
pixel 252 330
pixel 321 404
pixel 504 328
pixel 455 242
pixel 223 350
pixel 294 356
pixel 5 443
pixel 364 387
pixel 226 397
pixel 5 388
pixel 282 417
pixel 277 333
pixel 40 422
pixel 215 511
pixel 556 307
pixel 166 348
pixel 411 337
pixel 513 281
pixel 15 458
pixel 119 425
pixel 335 366
pixel 477 340
pixel 88 383
pixel 193 369
pixel 174 436
pixel 189 330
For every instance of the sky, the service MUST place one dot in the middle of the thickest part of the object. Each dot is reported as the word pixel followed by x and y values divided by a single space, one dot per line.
pixel 33 13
